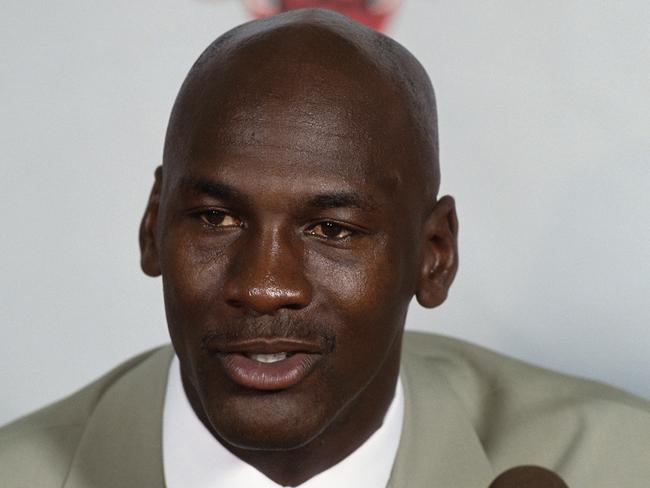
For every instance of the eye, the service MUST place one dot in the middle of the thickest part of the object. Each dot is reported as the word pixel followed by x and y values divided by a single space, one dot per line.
pixel 217 218
pixel 330 230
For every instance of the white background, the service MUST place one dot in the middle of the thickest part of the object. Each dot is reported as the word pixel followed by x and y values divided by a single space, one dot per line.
pixel 544 124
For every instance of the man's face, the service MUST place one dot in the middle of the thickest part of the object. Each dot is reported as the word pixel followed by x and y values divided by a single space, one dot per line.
pixel 289 252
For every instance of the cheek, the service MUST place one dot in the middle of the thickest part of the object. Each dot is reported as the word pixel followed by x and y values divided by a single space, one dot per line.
pixel 369 290
pixel 365 299
pixel 362 279
pixel 192 276
pixel 192 264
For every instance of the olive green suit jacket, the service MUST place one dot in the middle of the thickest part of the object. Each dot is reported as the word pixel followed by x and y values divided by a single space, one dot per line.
pixel 469 415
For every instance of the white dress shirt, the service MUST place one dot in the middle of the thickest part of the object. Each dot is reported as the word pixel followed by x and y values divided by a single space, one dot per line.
pixel 193 458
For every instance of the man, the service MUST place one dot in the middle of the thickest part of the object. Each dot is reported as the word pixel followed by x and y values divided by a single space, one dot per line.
pixel 292 221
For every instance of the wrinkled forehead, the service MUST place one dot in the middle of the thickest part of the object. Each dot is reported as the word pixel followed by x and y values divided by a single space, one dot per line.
pixel 276 139
pixel 296 116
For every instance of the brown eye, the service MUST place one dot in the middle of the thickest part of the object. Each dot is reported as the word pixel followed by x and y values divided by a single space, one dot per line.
pixel 331 230
pixel 216 218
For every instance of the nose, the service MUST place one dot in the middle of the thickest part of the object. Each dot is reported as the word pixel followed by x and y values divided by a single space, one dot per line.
pixel 267 274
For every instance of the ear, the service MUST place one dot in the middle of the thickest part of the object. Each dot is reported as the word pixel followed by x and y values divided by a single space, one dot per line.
pixel 439 256
pixel 149 259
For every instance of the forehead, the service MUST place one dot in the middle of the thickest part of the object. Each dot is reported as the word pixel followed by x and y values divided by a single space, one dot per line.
pixel 273 161
pixel 310 125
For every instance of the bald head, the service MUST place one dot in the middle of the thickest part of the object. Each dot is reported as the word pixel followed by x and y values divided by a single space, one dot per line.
pixel 312 68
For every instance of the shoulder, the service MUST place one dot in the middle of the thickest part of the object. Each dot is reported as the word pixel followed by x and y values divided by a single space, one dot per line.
pixel 37 449
pixel 592 433
pixel 474 370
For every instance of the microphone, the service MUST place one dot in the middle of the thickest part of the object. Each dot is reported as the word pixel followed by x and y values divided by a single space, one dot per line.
pixel 528 477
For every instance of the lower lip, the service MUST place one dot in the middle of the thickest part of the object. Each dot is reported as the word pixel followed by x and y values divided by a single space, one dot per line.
pixel 268 376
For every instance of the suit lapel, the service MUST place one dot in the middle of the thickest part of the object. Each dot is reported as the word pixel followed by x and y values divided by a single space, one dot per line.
pixel 439 447
pixel 122 443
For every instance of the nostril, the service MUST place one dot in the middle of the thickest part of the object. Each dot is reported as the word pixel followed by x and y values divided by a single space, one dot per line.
pixel 235 303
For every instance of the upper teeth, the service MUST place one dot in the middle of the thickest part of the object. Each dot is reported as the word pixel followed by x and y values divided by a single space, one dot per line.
pixel 268 358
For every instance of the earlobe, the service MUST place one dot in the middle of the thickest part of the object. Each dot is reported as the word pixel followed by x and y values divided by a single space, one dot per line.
pixel 439 256
pixel 149 258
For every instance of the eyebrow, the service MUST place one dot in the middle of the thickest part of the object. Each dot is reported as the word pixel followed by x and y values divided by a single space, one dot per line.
pixel 339 200
pixel 225 192
pixel 215 189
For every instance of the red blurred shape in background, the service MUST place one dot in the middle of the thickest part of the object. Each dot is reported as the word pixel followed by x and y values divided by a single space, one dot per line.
pixel 373 13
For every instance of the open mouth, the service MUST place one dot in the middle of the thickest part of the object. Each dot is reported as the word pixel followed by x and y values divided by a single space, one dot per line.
pixel 275 371
pixel 269 358
pixel 268 364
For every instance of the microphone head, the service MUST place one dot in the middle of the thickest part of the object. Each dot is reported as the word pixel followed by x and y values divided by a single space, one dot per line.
pixel 528 477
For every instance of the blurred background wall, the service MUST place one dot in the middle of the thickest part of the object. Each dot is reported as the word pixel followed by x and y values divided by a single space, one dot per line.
pixel 544 119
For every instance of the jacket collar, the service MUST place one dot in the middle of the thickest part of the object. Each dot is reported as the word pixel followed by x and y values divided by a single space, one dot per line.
pixel 439 446
pixel 122 442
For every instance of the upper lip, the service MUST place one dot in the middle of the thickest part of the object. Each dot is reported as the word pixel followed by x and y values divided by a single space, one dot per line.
pixel 266 346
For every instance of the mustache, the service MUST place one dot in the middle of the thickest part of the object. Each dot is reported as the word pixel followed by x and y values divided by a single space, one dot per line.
pixel 271 328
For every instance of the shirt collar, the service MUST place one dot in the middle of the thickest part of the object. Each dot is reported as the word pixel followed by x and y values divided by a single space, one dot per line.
pixel 193 458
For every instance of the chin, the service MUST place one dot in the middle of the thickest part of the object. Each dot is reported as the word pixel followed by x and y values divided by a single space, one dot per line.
pixel 253 441
pixel 269 422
